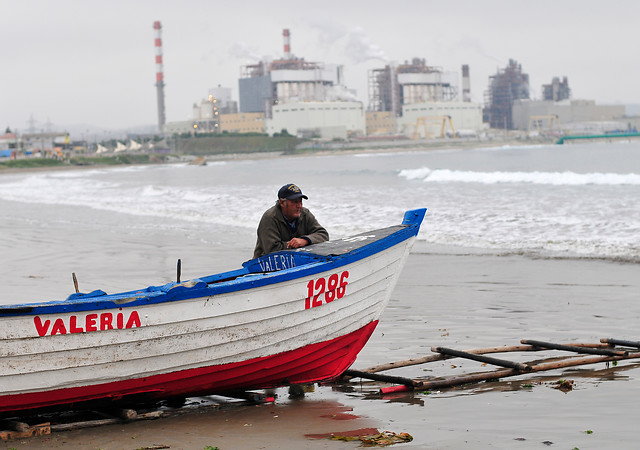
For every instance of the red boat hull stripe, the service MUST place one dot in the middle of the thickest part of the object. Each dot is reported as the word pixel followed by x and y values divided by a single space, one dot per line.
pixel 321 361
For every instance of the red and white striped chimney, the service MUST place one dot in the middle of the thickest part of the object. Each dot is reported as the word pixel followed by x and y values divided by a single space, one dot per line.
pixel 287 44
pixel 159 73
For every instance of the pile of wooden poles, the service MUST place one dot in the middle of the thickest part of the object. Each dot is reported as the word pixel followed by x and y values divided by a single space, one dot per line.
pixel 607 350
pixel 19 428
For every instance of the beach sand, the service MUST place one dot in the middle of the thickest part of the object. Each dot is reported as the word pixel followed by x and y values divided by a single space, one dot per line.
pixel 460 300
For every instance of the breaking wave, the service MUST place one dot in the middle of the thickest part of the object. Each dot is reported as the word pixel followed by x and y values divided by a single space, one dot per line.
pixel 551 178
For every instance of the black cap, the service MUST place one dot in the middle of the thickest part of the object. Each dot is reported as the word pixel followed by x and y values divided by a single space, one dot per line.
pixel 291 192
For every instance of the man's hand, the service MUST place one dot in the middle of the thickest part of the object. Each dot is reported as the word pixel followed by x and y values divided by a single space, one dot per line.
pixel 296 243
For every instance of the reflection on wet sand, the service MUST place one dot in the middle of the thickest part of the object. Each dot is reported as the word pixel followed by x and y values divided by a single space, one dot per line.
pixel 214 421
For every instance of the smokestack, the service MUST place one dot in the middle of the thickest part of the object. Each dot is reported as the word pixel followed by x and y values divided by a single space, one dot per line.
pixel 287 44
pixel 159 74
pixel 466 84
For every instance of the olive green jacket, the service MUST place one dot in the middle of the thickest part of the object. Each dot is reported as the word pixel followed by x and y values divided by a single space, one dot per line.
pixel 274 233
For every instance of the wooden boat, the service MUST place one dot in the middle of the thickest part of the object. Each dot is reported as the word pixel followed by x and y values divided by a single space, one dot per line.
pixel 288 317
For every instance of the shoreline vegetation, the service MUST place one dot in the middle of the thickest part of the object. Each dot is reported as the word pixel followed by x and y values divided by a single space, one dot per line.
pixel 187 150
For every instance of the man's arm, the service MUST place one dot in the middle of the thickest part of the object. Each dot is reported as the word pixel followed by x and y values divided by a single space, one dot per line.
pixel 315 233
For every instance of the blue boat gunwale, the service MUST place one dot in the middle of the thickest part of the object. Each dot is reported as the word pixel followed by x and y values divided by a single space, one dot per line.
pixel 225 282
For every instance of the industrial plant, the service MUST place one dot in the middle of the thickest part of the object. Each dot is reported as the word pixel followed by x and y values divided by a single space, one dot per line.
pixel 292 96
pixel 310 100
pixel 392 87
pixel 413 99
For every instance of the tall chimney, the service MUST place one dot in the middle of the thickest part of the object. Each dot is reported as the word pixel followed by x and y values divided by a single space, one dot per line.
pixel 159 74
pixel 287 44
pixel 466 84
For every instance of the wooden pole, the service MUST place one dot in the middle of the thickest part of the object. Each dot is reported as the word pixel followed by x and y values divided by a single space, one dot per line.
pixel 100 422
pixel 483 359
pixel 379 377
pixel 75 281
pixel 573 348
pixel 613 341
pixel 503 373
pixel 476 351
pixel 179 270
pixel 84 424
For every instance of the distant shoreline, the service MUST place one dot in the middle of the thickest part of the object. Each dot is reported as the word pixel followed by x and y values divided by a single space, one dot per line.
pixel 325 150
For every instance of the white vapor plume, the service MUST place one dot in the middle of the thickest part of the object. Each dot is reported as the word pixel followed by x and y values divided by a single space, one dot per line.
pixel 467 42
pixel 241 50
pixel 328 32
pixel 355 43
pixel 360 48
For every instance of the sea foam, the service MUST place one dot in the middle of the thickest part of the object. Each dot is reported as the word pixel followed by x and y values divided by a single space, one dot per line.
pixel 552 178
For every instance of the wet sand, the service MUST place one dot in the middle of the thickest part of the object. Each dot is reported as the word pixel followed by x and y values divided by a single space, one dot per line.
pixel 460 300
pixel 281 425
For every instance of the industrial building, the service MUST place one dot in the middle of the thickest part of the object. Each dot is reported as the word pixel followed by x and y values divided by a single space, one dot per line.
pixel 304 98
pixel 380 123
pixel 242 123
pixel 557 90
pixel 569 115
pixel 421 101
pixel 290 79
pixel 391 87
pixel 217 114
pixel 225 104
pixel 505 87
pixel 325 120
pixel 440 119
pixel 309 99
pixel 203 122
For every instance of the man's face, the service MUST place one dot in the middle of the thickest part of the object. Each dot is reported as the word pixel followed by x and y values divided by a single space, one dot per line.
pixel 291 209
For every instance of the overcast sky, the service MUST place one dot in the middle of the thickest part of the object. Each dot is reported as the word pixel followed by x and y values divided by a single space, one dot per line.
pixel 92 62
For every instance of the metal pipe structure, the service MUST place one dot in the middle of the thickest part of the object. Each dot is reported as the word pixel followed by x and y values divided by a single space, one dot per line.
pixel 159 74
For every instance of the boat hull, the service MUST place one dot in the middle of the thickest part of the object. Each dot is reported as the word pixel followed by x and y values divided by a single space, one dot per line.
pixel 320 361
pixel 286 318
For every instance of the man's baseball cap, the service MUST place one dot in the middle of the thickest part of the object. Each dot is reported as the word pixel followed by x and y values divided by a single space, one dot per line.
pixel 291 192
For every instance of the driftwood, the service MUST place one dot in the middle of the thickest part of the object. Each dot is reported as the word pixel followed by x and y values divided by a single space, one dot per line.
pixel 573 348
pixel 30 431
pixel 17 429
pixel 21 430
pixel 107 421
pixel 602 352
pixel 503 373
pixel 483 359
pixel 624 343
pixel 475 351
pixel 379 377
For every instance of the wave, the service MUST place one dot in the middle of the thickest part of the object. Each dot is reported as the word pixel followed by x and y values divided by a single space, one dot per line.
pixel 558 222
pixel 552 178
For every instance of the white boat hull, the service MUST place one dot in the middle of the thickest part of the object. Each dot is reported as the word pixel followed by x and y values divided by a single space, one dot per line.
pixel 303 329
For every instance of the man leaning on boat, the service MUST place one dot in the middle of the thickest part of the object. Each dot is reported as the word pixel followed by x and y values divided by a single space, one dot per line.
pixel 288 224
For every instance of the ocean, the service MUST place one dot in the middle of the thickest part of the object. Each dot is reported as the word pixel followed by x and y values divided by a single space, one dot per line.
pixel 577 201
pixel 537 242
